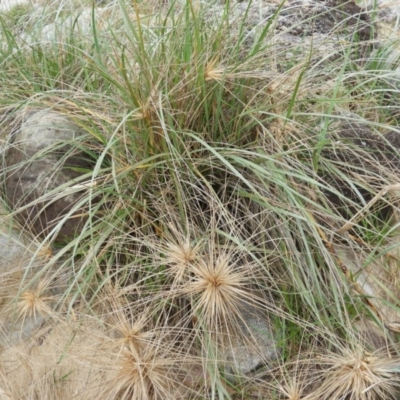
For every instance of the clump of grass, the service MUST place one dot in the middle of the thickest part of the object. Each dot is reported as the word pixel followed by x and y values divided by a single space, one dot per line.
pixel 209 195
pixel 144 373
pixel 356 374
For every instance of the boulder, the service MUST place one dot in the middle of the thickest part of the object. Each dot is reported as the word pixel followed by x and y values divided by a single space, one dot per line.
pixel 42 165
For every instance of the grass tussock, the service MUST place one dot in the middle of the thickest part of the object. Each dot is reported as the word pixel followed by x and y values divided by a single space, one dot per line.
pixel 359 375
pixel 228 177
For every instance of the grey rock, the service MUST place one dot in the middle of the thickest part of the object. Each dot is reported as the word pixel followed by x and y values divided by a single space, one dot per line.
pixel 369 157
pixel 304 27
pixel 11 249
pixel 17 262
pixel 252 345
pixel 377 279
pixel 366 151
pixel 388 10
pixel 41 164
pixel 328 17
pixel 25 266
pixel 14 330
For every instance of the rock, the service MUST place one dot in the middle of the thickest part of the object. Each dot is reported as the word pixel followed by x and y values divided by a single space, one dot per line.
pixel 28 272
pixel 7 5
pixel 372 337
pixel 367 156
pixel 382 148
pixel 312 30
pixel 71 20
pixel 388 10
pixel 328 17
pixel 17 263
pixel 252 345
pixel 41 166
pixel 377 279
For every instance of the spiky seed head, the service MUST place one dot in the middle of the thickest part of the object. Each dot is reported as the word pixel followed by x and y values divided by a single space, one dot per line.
pixel 358 375
pixel 213 73
pixel 180 256
pixel 132 330
pixel 34 302
pixel 218 288
pixel 135 336
pixel 147 374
